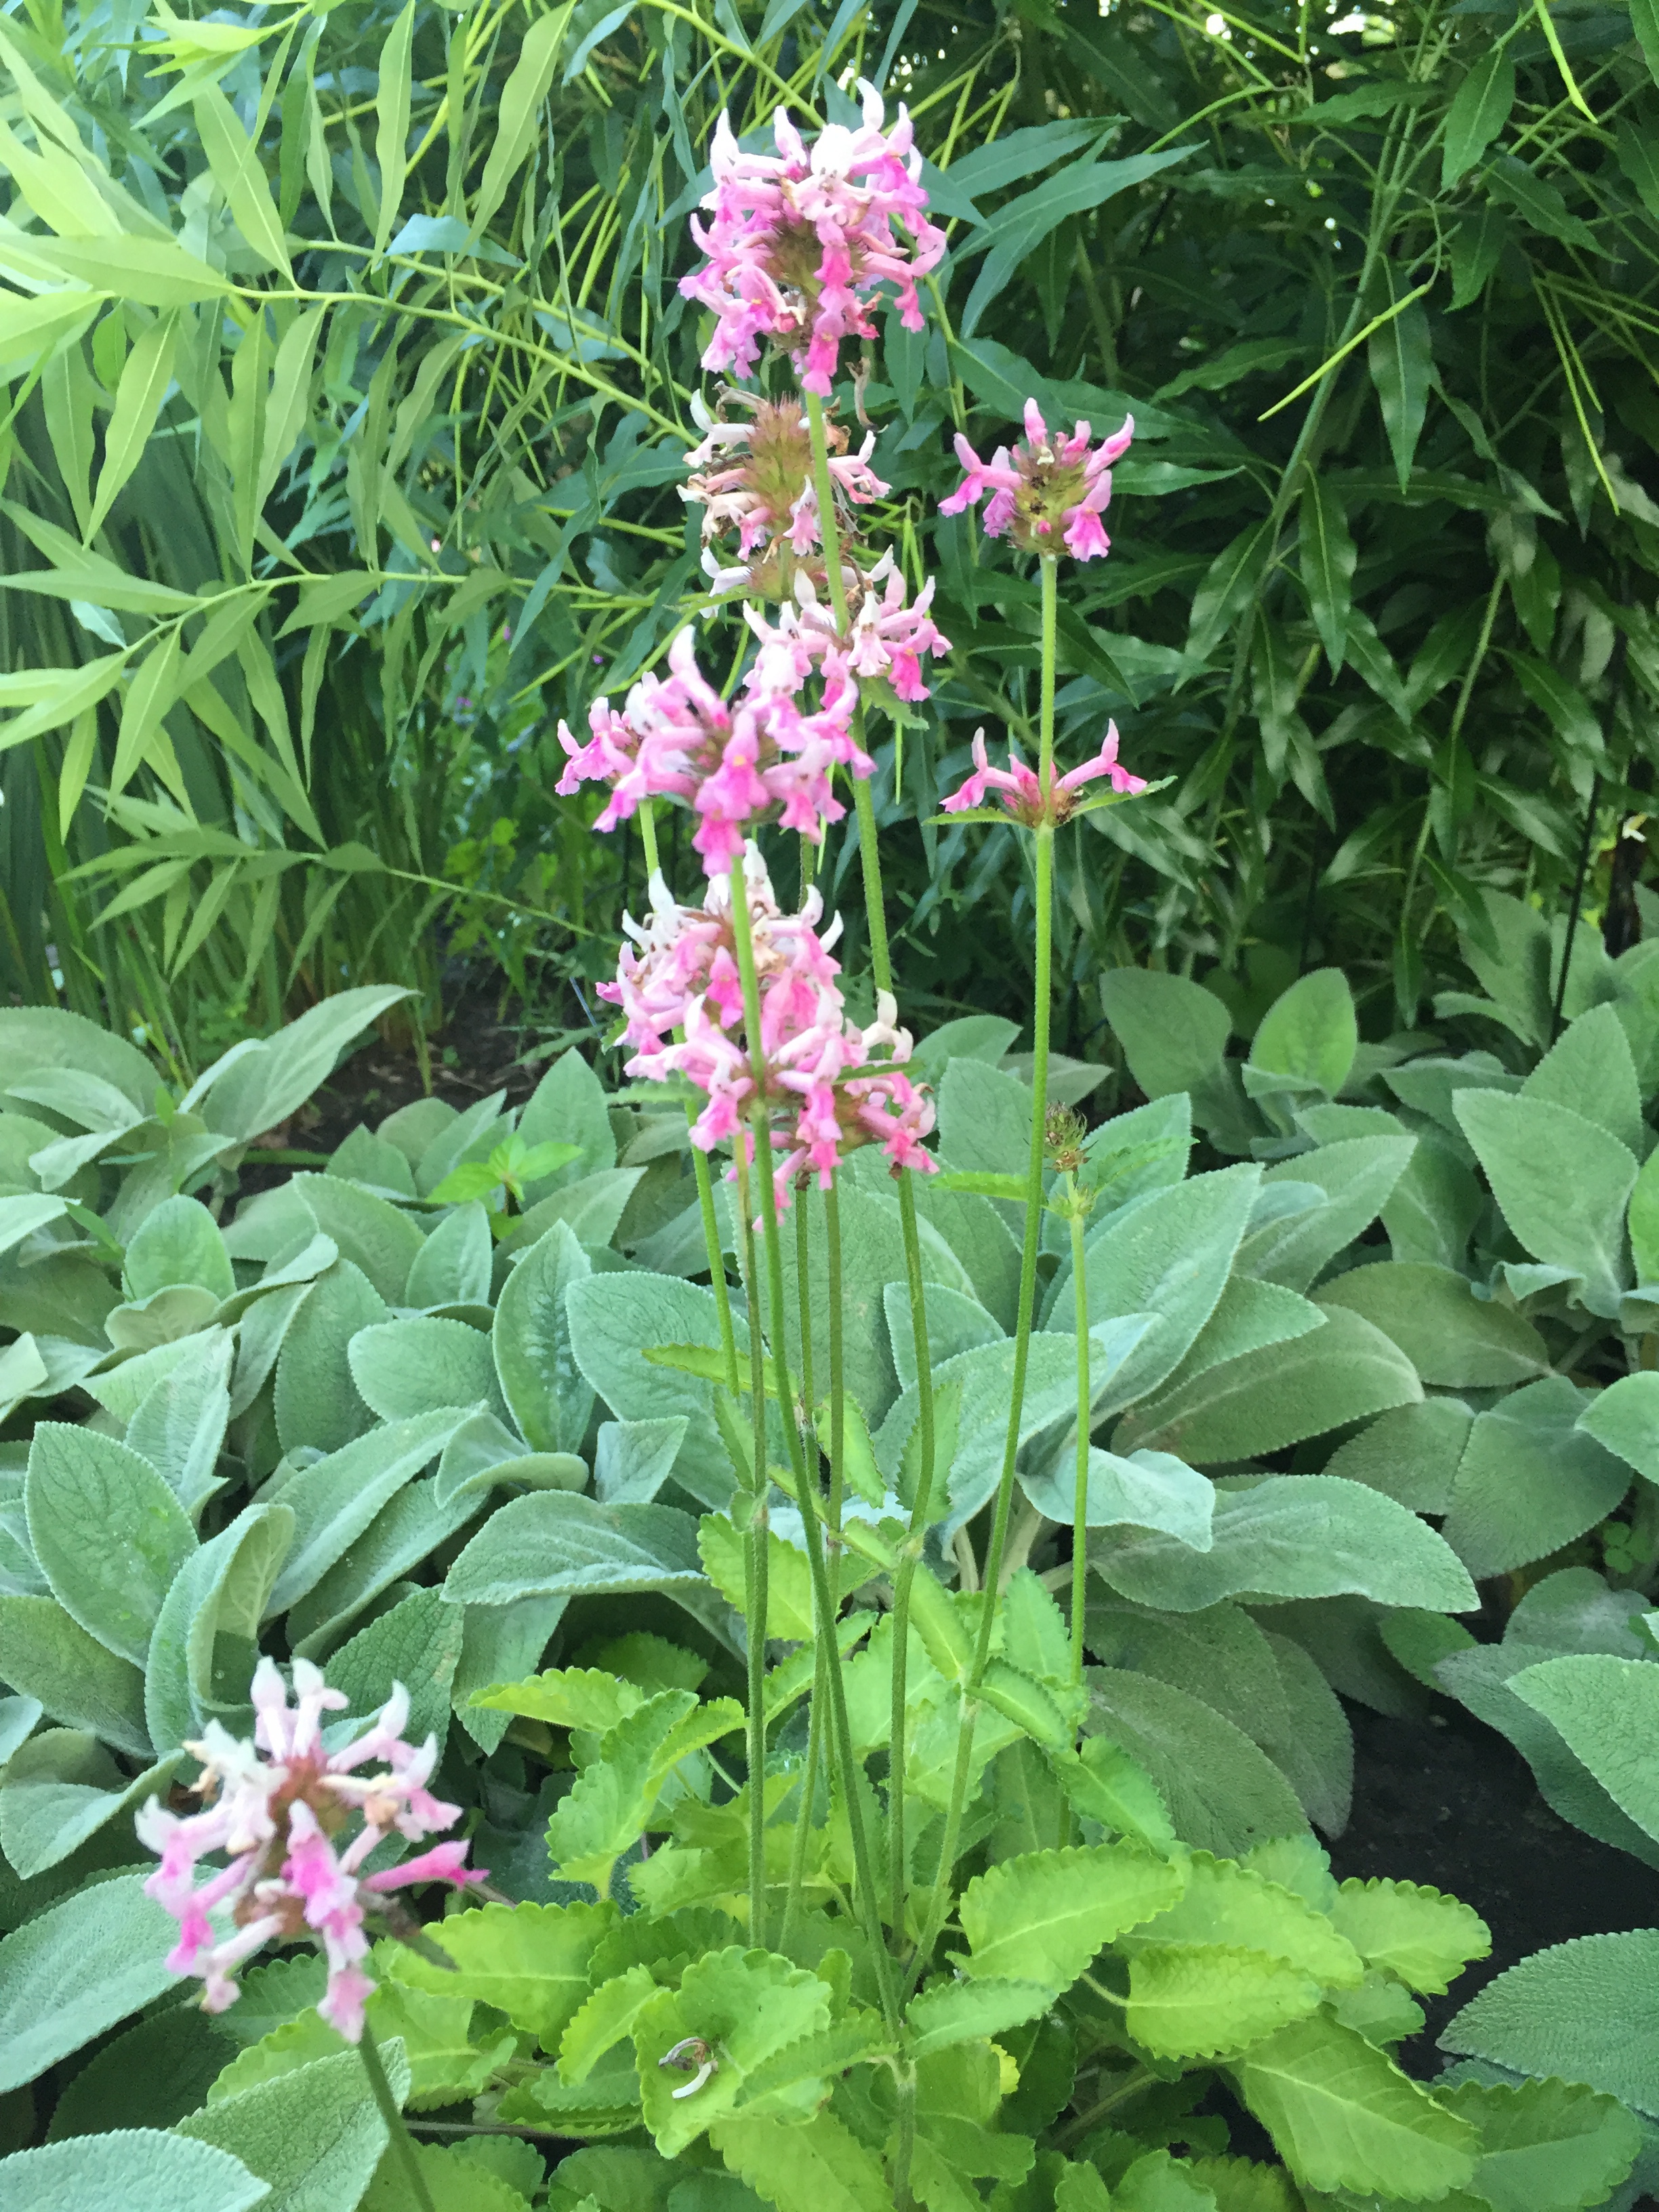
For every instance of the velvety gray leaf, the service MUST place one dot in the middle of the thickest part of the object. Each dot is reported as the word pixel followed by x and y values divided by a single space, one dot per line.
pixel 217 1599
pixel 317 1402
pixel 1294 1537
pixel 46 1655
pixel 137 2170
pixel 334 1500
pixel 62 1787
pixel 533 1356
pixel 108 1533
pixel 78 1969
pixel 1530 1479
pixel 411 1367
pixel 178 1242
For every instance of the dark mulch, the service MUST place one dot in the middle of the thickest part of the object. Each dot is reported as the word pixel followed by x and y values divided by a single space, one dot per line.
pixel 1451 1804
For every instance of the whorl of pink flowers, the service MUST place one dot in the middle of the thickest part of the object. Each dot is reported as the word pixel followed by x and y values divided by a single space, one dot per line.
pixel 756 478
pixel 736 765
pixel 1020 789
pixel 797 238
pixel 828 1092
pixel 887 640
pixel 1045 486
pixel 276 1818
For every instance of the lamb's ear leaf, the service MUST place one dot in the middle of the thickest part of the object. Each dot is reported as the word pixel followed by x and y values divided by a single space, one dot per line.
pixel 311 2132
pixel 108 1531
pixel 550 1399
pixel 1602 1709
pixel 78 1970
pixel 1574 1219
pixel 135 2170
pixel 217 1598
pixel 1547 2143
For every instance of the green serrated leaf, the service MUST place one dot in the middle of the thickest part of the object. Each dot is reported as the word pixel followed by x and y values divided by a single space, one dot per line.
pixel 1044 1916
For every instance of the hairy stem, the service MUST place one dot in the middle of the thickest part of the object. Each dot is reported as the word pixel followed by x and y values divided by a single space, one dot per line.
pixel 812 1527
pixel 881 964
pixel 1041 994
pixel 1080 1497
pixel 711 1233
pixel 809 1790
pixel 403 2147
pixel 754 1555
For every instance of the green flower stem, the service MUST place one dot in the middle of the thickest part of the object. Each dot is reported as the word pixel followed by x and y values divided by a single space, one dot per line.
pixel 881 963
pixel 837 1385
pixel 820 1688
pixel 811 1527
pixel 705 1182
pixel 803 1285
pixel 829 533
pixel 403 2147
pixel 1080 1502
pixel 1042 988
pixel 809 1790
pixel 755 1569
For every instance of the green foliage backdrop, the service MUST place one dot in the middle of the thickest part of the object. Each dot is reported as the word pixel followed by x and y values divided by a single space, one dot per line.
pixel 350 384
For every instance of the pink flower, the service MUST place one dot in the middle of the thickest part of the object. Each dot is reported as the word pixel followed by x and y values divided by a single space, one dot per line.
pixel 887 640
pixel 759 758
pixel 276 1818
pixel 827 1090
pixel 796 239
pixel 757 480
pixel 1043 485
pixel 1021 792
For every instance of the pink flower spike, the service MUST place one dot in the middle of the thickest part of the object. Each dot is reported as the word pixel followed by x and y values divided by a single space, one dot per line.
pixel 799 239
pixel 1045 489
pixel 824 1090
pixel 276 1818
pixel 1020 789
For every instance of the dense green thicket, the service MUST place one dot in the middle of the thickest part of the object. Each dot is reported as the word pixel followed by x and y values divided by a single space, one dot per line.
pixel 381 479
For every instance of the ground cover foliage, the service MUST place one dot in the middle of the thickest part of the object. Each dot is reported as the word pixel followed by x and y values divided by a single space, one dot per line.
pixel 401 1415
pixel 351 383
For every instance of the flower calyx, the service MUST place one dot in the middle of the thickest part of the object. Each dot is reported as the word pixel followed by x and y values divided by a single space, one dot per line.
pixel 1048 492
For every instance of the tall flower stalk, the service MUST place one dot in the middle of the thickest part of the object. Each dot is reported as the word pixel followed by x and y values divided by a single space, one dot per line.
pixel 742 1000
pixel 1046 493
pixel 881 964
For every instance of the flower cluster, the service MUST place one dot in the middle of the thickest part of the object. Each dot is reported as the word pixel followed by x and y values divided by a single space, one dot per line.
pixel 796 239
pixel 886 638
pixel 819 1073
pixel 755 759
pixel 755 479
pixel 1045 485
pixel 276 1818
pixel 1020 789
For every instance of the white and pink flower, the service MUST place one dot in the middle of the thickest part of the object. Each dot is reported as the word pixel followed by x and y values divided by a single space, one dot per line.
pixel 831 1085
pixel 755 477
pixel 887 640
pixel 1046 492
pixel 757 758
pixel 276 1818
pixel 799 239
pixel 1020 789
